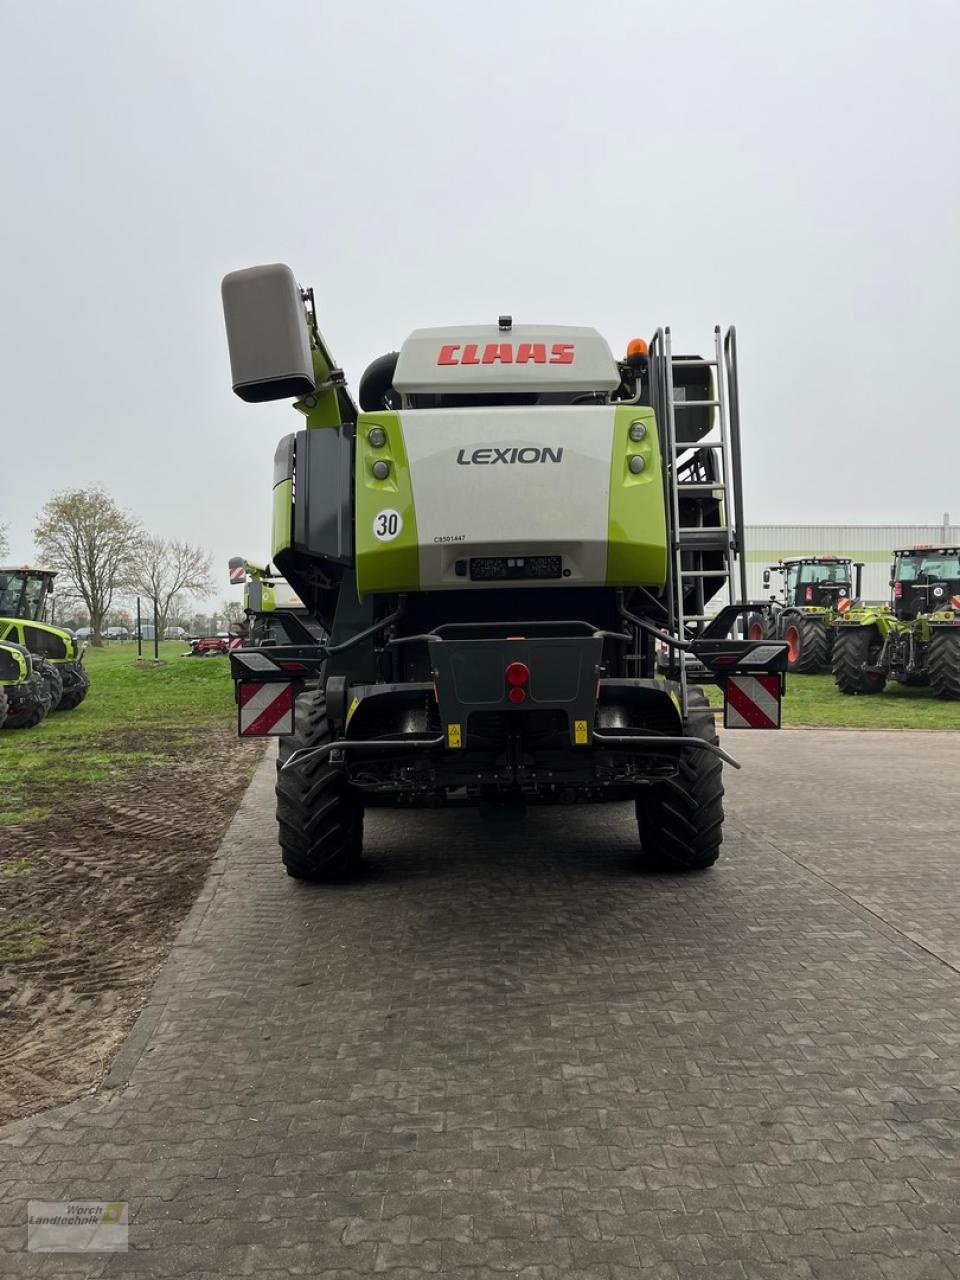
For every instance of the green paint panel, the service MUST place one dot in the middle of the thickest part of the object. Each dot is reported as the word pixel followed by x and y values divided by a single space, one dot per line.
pixel 392 565
pixel 282 516
pixel 637 525
pixel 20 631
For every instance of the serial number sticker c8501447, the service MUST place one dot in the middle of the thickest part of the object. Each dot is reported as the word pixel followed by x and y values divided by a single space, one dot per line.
pixel 387 525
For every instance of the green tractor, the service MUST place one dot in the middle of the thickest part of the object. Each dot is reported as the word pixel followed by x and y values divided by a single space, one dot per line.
pixel 915 639
pixel 57 656
pixel 813 593
pixel 25 696
pixel 494 544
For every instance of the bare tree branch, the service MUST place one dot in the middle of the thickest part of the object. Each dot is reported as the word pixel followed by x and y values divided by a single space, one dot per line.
pixel 166 570
pixel 85 535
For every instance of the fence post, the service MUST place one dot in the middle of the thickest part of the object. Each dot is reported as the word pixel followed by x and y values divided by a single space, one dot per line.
pixel 139 634
pixel 156 631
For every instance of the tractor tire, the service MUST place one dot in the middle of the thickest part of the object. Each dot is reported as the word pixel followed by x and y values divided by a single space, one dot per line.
pixel 852 648
pixel 51 677
pixel 680 820
pixel 319 815
pixel 29 714
pixel 807 645
pixel 4 704
pixel 75 689
pixel 758 627
pixel 943 662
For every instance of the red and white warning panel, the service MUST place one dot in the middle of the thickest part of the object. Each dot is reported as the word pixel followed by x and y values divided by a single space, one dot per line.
pixel 265 709
pixel 752 702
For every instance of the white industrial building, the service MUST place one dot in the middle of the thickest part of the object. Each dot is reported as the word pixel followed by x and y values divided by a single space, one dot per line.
pixel 872 544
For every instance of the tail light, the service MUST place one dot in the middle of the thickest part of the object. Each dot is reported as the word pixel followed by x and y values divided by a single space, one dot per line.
pixel 517 676
pixel 808 595
pixel 898 591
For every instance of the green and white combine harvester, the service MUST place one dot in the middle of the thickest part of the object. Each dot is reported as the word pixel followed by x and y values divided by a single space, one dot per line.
pixel 915 639
pixel 275 613
pixel 814 593
pixel 495 544
pixel 56 657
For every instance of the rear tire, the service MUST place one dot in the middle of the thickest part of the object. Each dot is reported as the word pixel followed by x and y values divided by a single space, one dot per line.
pixel 807 645
pixel 320 816
pixel 852 648
pixel 76 688
pixel 943 662
pixel 680 820
pixel 3 705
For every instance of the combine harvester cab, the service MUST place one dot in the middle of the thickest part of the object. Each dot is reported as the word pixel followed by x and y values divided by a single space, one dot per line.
pixel 814 593
pixel 916 638
pixel 57 656
pixel 495 544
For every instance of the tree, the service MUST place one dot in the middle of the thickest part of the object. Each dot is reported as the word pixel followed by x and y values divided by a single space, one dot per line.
pixel 92 541
pixel 164 570
pixel 232 612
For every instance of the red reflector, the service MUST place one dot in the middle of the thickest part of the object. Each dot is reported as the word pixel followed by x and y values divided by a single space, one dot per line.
pixel 292 666
pixel 517 694
pixel 517 674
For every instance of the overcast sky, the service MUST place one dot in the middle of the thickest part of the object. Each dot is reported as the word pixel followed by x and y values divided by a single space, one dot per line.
pixel 788 167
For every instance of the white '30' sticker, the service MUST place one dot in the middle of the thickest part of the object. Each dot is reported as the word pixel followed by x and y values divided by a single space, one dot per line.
pixel 387 525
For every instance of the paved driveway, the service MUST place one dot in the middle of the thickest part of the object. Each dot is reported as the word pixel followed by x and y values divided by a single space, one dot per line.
pixel 504 1053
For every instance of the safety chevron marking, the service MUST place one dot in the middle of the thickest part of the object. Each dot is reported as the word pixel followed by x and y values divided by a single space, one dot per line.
pixel 752 702
pixel 265 709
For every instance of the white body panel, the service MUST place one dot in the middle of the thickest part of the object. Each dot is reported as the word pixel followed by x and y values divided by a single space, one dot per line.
pixel 469 504
pixel 481 358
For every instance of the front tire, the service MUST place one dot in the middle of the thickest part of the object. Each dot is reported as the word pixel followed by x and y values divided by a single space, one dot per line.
pixel 76 687
pixel 854 648
pixel 943 662
pixel 320 817
pixel 680 820
pixel 758 627
pixel 807 645
pixel 52 679
pixel 31 712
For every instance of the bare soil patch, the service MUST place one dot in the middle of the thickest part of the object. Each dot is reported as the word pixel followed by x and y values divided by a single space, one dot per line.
pixel 91 899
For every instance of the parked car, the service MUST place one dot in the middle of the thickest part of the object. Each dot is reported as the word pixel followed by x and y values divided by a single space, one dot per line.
pixel 175 633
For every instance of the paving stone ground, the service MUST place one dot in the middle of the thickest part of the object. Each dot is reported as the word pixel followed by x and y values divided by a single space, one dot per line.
pixel 505 1053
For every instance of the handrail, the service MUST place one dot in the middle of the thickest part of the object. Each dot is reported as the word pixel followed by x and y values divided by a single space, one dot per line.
pixel 733 383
